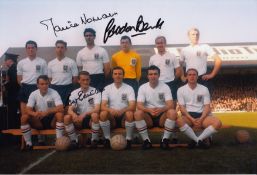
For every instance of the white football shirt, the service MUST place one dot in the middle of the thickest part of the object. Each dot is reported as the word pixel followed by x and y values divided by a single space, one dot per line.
pixel 92 60
pixel 156 97
pixel 118 98
pixel 62 71
pixel 193 99
pixel 196 57
pixel 30 70
pixel 167 63
pixel 43 103
pixel 85 101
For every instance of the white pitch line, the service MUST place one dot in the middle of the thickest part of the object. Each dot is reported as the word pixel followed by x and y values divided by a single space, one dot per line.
pixel 25 170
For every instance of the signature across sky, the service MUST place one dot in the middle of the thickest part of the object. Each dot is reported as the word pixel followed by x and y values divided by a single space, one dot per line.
pixel 220 21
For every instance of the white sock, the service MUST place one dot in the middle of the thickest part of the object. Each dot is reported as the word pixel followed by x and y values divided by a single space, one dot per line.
pixel 26 132
pixel 71 132
pixel 95 130
pixel 142 129
pixel 59 129
pixel 106 127
pixel 129 129
pixel 207 132
pixel 188 131
pixel 168 128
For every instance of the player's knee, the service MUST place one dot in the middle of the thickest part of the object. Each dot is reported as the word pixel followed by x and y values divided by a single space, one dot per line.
pixel 59 116
pixel 129 116
pixel 139 115
pixel 171 114
pixel 104 116
pixel 217 124
pixel 95 118
pixel 67 119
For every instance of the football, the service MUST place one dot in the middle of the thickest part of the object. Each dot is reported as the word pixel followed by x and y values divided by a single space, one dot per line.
pixel 242 136
pixel 62 143
pixel 118 142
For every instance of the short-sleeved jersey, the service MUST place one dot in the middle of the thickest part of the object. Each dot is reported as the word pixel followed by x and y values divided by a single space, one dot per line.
pixel 85 101
pixel 156 97
pixel 30 70
pixel 193 99
pixel 43 103
pixel 62 71
pixel 196 57
pixel 118 98
pixel 130 62
pixel 167 63
pixel 92 60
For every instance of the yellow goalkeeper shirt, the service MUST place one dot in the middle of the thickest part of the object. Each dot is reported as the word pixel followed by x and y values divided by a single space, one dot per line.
pixel 130 62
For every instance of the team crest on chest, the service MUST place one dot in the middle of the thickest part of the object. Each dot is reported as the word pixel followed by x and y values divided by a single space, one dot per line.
pixel 198 53
pixel 65 68
pixel 167 62
pixel 133 61
pixel 199 98
pixel 124 97
pixel 91 101
pixel 96 56
pixel 50 104
pixel 38 68
pixel 161 97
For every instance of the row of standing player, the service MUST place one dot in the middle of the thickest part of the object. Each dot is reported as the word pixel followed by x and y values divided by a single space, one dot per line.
pixel 95 60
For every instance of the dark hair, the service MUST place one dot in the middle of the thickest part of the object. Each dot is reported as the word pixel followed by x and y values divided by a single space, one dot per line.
pixel 126 37
pixel 83 73
pixel 193 69
pixel 43 77
pixel 89 30
pixel 118 68
pixel 153 67
pixel 61 42
pixel 31 42
pixel 161 37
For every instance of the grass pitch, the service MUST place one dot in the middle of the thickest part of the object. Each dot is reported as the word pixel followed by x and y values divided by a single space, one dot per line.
pixel 225 156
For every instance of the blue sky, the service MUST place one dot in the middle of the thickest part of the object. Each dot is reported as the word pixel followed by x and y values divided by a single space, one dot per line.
pixel 220 21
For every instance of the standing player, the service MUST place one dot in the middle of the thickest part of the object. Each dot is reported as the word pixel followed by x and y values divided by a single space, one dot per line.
pixel 62 72
pixel 28 70
pixel 168 64
pixel 194 103
pixel 130 61
pixel 118 106
pixel 94 59
pixel 155 108
pixel 195 56
pixel 83 111
pixel 44 111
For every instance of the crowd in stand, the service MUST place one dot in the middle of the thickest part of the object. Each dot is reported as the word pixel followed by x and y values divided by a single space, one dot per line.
pixel 234 93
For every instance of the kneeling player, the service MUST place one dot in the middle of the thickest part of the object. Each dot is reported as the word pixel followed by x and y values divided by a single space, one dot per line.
pixel 118 106
pixel 155 108
pixel 44 111
pixel 194 103
pixel 83 111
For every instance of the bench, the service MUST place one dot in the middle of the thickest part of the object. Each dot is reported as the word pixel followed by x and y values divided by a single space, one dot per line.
pixel 17 132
